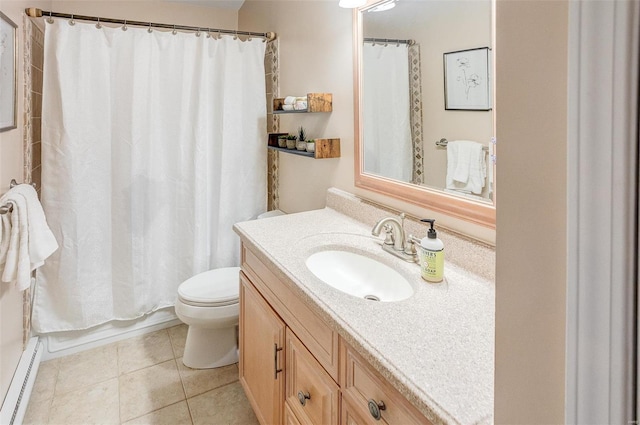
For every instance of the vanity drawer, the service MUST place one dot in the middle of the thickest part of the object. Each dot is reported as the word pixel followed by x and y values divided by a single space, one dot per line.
pixel 361 385
pixel 310 392
pixel 319 339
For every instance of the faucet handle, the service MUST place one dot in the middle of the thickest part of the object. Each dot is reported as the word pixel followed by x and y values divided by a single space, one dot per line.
pixel 410 245
pixel 389 239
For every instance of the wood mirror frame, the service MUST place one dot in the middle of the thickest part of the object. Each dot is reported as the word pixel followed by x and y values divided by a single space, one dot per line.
pixel 432 199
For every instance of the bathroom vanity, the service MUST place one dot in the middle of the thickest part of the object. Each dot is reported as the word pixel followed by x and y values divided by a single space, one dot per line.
pixel 310 353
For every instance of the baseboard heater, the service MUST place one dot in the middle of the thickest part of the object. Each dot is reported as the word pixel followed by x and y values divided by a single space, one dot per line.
pixel 17 399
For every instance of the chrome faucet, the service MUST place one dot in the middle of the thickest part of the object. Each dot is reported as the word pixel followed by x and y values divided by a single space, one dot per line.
pixel 396 242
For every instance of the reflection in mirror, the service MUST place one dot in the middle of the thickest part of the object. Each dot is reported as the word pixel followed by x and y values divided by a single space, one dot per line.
pixel 418 140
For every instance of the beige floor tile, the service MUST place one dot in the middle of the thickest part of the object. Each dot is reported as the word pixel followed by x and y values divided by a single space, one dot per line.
pixel 178 336
pixel 176 414
pixel 144 351
pixel 225 405
pixel 86 368
pixel 149 389
pixel 198 381
pixel 45 384
pixel 96 404
pixel 37 413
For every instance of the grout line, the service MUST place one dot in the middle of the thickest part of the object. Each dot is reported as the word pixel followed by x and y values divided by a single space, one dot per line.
pixel 173 347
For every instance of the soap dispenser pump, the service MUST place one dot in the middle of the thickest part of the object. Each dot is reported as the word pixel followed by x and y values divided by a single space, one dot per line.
pixel 431 255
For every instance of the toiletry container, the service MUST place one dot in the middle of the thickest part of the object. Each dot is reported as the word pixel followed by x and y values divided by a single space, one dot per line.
pixel 431 255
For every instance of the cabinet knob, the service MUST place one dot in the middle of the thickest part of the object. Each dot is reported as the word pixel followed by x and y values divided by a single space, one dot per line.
pixel 303 397
pixel 375 409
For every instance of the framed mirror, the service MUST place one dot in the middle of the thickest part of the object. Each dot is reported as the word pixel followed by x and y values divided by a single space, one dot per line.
pixel 424 113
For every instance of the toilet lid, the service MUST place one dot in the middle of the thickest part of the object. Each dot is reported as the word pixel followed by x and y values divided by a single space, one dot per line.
pixel 216 287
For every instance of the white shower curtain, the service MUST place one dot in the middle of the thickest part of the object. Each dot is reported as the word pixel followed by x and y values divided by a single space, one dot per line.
pixel 387 129
pixel 152 149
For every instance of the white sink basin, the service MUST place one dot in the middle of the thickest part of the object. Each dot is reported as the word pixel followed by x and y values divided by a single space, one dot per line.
pixel 360 276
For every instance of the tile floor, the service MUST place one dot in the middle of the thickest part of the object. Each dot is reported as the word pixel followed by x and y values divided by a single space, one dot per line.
pixel 137 381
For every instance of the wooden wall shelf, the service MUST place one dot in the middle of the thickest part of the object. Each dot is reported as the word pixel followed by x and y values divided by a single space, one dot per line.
pixel 325 148
pixel 316 102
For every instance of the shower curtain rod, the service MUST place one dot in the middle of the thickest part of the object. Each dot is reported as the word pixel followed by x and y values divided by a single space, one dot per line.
pixel 34 12
pixel 389 41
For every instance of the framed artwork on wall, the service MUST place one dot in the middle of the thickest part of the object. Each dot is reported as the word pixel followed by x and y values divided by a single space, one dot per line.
pixel 467 80
pixel 8 77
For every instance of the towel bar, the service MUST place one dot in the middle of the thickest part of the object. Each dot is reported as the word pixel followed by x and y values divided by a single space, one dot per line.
pixel 7 208
pixel 444 142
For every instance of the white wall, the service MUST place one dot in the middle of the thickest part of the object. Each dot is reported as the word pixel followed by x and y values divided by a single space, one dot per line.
pixel 531 246
pixel 11 167
pixel 315 56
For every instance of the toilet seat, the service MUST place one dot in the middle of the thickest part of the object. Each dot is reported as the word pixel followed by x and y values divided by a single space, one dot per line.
pixel 213 288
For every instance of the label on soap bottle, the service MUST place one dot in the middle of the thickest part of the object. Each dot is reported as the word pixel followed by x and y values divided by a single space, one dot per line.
pixel 432 265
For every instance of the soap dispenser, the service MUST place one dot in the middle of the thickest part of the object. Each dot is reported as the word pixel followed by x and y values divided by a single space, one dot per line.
pixel 431 255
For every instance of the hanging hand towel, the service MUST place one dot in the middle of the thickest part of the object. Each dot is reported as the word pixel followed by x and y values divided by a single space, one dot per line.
pixel 16 267
pixel 466 166
pixel 5 236
pixel 31 241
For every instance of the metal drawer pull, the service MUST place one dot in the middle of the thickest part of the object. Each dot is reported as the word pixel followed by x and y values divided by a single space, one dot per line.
pixel 376 408
pixel 275 361
pixel 303 397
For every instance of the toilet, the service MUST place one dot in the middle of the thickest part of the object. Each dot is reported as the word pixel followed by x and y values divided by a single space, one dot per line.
pixel 208 303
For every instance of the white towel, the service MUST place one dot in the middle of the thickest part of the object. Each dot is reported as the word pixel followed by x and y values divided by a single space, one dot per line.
pixel 466 166
pixel 30 239
pixel 291 100
pixel 5 236
pixel 16 267
pixel 300 105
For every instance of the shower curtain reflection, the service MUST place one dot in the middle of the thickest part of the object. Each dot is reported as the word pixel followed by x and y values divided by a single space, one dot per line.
pixel 387 143
pixel 151 151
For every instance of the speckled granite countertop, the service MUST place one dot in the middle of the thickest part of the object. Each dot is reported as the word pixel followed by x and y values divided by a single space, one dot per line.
pixel 435 347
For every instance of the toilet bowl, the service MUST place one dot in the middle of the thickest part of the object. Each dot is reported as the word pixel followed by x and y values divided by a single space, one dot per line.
pixel 208 303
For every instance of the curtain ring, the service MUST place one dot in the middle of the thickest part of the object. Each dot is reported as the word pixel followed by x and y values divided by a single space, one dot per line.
pixel 71 21
pixel 124 27
pixel 98 25
pixel 174 32
pixel 208 32
pixel 235 36
pixel 149 30
pixel 198 33
pixel 50 19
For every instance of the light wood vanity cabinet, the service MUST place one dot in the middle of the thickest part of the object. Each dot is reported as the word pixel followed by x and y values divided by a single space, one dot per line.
pixel 305 383
pixel 262 339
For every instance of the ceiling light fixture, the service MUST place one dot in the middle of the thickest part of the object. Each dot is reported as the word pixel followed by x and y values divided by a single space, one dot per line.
pixel 350 4
pixel 385 5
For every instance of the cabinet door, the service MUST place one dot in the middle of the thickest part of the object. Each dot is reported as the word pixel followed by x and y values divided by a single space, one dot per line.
pixel 311 394
pixel 262 337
